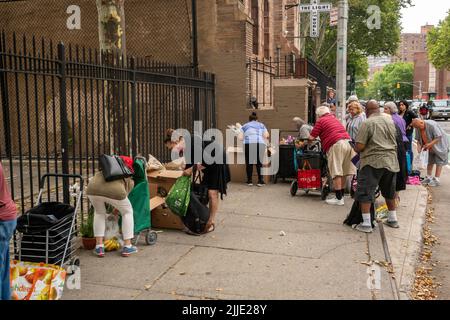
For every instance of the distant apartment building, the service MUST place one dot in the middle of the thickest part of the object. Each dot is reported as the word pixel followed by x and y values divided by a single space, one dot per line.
pixel 377 64
pixel 410 44
pixel 429 83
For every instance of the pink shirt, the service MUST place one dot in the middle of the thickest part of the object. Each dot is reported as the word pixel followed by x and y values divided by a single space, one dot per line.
pixel 8 210
pixel 330 130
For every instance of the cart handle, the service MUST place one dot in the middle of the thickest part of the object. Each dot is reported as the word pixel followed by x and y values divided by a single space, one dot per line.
pixel 61 175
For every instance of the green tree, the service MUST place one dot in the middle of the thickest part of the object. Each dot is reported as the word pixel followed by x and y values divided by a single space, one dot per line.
pixel 438 43
pixel 384 83
pixel 362 41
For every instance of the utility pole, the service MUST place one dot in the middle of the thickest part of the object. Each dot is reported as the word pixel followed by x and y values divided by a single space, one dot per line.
pixel 341 63
pixel 420 91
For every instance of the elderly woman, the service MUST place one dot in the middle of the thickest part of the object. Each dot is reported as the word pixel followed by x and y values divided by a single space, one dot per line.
pixel 432 138
pixel 355 119
pixel 408 115
pixel 303 128
pixel 335 143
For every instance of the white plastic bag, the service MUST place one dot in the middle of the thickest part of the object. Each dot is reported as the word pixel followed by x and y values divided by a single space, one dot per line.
pixel 112 230
pixel 421 161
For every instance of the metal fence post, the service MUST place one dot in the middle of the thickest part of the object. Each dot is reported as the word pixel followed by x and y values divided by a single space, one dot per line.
pixel 5 99
pixel 133 108
pixel 213 111
pixel 63 119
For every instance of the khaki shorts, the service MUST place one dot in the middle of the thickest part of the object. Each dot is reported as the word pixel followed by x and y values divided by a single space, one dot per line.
pixel 340 159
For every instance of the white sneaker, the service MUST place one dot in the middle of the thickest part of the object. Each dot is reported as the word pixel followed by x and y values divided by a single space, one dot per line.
pixel 362 228
pixel 335 201
pixel 434 183
pixel 427 180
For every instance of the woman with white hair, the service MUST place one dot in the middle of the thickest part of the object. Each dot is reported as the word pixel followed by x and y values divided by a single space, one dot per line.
pixel 391 109
pixel 335 143
pixel 303 128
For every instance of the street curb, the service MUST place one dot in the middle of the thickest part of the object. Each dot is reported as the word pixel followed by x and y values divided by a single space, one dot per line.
pixel 414 245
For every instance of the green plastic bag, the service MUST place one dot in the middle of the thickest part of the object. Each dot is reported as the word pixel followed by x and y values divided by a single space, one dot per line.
pixel 179 195
pixel 139 197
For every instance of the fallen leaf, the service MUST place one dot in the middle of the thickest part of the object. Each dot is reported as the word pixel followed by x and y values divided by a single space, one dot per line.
pixel 219 289
pixel 182 273
pixel 282 233
pixel 148 286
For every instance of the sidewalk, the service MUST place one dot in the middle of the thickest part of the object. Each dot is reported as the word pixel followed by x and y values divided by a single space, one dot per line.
pixel 246 258
pixel 440 228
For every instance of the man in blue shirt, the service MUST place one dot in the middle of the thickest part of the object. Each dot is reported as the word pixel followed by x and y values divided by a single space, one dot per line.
pixel 255 137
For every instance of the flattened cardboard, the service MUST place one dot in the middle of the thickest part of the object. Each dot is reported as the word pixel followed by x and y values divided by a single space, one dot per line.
pixel 164 179
pixel 163 218
pixel 155 202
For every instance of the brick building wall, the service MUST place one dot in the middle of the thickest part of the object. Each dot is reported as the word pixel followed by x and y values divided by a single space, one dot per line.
pixel 151 26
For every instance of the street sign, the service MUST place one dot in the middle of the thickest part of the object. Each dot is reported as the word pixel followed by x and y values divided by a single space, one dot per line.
pixel 315 8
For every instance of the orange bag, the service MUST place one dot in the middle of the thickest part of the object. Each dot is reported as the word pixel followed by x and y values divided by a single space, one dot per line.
pixel 36 281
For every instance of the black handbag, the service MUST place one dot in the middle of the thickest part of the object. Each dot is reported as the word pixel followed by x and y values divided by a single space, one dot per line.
pixel 197 216
pixel 198 188
pixel 113 168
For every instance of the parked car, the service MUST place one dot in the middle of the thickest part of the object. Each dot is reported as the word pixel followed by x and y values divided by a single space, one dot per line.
pixel 440 109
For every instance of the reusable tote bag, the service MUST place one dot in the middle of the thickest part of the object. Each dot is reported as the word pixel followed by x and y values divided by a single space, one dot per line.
pixel 36 281
pixel 309 178
pixel 179 195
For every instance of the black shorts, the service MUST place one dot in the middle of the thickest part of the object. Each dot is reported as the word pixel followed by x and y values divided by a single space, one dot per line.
pixel 370 178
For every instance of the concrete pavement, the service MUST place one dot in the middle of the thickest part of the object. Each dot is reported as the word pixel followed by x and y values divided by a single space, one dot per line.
pixel 440 228
pixel 247 258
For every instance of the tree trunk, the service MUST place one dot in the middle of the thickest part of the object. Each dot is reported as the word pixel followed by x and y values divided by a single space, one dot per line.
pixel 111 31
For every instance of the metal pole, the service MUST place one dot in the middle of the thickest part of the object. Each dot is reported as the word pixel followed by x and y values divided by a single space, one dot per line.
pixel 420 91
pixel 341 63
pixel 133 108
pixel 194 35
pixel 63 120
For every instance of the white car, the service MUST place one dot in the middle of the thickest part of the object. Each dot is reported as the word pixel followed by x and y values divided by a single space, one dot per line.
pixel 440 109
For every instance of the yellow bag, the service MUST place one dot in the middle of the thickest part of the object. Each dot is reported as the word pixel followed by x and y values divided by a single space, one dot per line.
pixel 36 281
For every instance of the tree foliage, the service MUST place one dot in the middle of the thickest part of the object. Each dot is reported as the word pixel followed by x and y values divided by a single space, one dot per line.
pixel 438 43
pixel 362 41
pixel 384 83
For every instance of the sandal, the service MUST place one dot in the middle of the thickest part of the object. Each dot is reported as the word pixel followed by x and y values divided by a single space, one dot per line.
pixel 208 227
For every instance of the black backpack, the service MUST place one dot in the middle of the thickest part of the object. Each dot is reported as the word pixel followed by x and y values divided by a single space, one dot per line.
pixel 196 217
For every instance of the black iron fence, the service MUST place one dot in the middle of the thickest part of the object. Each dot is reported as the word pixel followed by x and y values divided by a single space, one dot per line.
pixel 63 106
pixel 261 73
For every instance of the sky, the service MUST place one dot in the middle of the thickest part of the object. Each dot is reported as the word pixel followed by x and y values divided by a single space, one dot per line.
pixel 424 11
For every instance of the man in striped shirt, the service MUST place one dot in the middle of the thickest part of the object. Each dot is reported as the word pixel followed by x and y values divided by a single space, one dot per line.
pixel 335 143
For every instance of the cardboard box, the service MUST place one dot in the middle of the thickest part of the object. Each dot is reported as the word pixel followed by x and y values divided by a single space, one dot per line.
pixel 237 167
pixel 162 217
pixel 163 179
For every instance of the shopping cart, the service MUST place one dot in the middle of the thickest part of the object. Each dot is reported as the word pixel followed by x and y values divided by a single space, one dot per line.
pixel 46 233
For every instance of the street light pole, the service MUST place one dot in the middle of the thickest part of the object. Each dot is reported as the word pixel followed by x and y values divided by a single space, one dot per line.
pixel 341 63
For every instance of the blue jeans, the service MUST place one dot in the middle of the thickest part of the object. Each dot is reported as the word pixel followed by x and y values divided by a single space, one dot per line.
pixel 6 232
pixel 409 147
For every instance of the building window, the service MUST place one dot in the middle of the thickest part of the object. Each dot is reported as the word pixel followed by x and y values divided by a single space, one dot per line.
pixel 255 17
pixel 266 29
